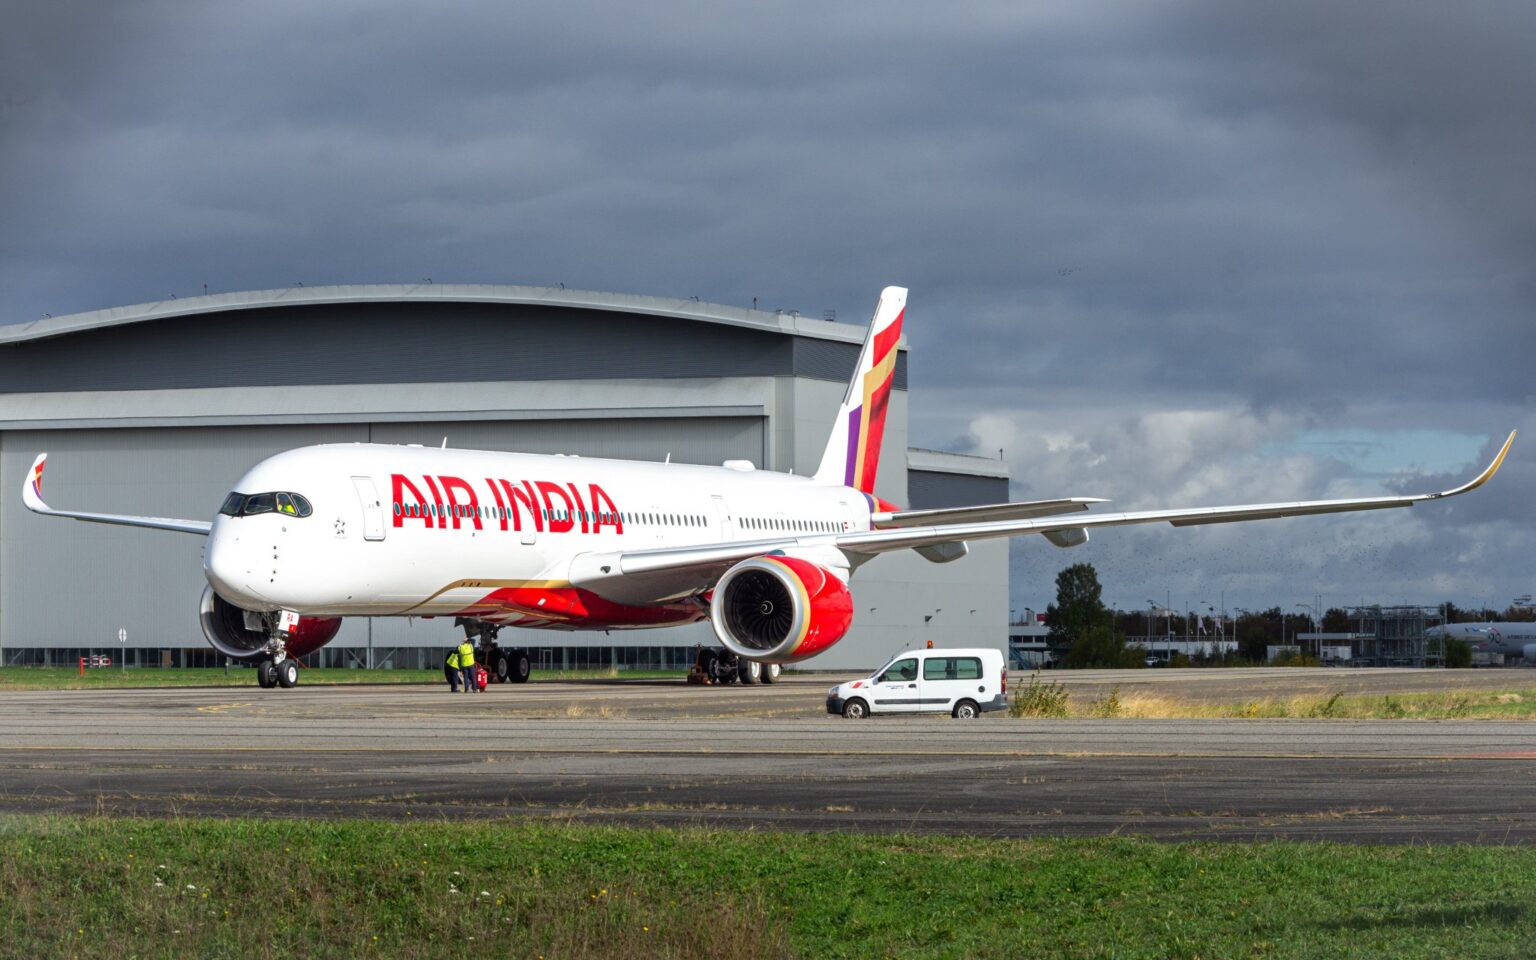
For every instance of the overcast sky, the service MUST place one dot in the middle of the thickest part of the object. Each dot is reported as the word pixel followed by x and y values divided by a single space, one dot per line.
pixel 1172 254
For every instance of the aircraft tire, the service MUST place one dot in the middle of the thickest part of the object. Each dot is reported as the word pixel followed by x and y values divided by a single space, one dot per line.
pixel 503 671
pixel 771 673
pixel 749 671
pixel 288 674
pixel 520 667
pixel 266 675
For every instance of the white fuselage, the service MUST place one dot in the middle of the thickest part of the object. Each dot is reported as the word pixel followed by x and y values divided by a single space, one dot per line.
pixel 1509 639
pixel 413 531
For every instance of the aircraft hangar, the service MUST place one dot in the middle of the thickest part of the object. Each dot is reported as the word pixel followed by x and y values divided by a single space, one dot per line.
pixel 159 408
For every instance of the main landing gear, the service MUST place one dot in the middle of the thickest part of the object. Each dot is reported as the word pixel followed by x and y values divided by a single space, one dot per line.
pixel 505 664
pixel 721 666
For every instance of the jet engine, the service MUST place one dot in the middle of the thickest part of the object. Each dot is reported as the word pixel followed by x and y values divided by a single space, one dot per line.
pixel 779 609
pixel 240 634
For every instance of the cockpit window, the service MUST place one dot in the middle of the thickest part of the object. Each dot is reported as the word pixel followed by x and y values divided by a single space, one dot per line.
pixel 288 504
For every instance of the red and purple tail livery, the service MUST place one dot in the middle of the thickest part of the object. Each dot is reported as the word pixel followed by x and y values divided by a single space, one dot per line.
pixel 852 457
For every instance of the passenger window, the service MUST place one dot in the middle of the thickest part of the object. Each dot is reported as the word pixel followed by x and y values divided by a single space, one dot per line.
pixel 952 668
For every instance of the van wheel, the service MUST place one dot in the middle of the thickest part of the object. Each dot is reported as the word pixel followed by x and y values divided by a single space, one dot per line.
pixel 855 709
pixel 966 710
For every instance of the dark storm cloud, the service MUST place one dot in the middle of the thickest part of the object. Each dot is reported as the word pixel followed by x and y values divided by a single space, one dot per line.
pixel 1149 247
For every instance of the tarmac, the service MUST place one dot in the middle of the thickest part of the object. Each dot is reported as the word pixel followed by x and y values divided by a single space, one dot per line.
pixel 769 758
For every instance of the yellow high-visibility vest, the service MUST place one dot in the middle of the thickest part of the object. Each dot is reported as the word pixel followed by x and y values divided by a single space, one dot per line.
pixel 466 655
pixel 453 659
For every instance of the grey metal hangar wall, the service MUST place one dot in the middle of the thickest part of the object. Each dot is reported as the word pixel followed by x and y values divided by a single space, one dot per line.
pixel 159 408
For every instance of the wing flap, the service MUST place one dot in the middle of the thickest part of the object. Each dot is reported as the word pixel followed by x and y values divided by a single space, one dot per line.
pixel 981 514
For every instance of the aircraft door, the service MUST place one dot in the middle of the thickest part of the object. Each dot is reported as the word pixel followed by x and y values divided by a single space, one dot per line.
pixel 725 522
pixel 373 508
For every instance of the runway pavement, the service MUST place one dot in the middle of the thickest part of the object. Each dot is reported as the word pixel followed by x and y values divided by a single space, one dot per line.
pixel 764 757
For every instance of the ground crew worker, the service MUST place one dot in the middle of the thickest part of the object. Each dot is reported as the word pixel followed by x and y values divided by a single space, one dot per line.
pixel 467 665
pixel 451 670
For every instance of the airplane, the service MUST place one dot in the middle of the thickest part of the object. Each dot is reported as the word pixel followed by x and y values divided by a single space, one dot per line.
pixel 1507 639
pixel 319 533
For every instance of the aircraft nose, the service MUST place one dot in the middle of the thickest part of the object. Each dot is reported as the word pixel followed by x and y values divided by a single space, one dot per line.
pixel 228 565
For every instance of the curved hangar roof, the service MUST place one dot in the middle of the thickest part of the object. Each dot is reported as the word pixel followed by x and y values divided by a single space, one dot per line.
pixel 416 333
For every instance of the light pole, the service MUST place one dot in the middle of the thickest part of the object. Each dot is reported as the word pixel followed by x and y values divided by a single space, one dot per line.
pixel 1316 640
pixel 1167 641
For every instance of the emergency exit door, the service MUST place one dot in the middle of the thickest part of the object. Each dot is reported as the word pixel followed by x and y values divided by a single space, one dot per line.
pixel 373 508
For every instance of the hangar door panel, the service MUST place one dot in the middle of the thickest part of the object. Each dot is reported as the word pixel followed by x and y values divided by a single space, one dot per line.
pixel 707 440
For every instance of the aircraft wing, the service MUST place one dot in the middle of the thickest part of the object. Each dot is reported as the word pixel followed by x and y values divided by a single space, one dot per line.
pixel 32 496
pixel 668 569
pixel 882 541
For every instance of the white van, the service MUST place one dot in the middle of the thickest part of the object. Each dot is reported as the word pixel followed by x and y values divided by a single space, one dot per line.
pixel 961 683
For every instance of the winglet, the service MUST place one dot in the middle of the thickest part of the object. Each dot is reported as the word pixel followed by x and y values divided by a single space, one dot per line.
pixel 32 490
pixel 1486 475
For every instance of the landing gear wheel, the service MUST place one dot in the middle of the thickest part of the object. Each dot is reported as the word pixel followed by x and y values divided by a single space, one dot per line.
pixel 706 663
pixel 856 709
pixel 266 675
pixel 770 673
pixel 966 710
pixel 749 671
pixel 288 674
pixel 521 666
pixel 503 671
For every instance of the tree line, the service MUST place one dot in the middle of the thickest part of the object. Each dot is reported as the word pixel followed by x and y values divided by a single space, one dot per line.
pixel 1093 635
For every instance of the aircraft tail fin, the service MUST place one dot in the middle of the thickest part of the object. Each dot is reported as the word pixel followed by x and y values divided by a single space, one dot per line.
pixel 852 457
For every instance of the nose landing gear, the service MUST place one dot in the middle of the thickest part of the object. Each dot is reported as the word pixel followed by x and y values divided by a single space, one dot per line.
pixel 278 669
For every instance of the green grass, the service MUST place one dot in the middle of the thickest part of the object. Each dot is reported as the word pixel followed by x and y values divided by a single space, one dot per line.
pixel 1039 697
pixel 69 678
pixel 1516 704
pixel 241 888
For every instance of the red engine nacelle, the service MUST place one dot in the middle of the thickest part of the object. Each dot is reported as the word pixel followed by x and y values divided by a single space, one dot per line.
pixel 238 634
pixel 779 609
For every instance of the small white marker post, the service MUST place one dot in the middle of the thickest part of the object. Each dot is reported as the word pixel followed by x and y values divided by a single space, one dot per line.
pixel 122 643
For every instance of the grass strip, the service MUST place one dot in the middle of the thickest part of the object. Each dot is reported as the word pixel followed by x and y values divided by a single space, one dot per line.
pixel 93 887
pixel 69 678
pixel 1038 697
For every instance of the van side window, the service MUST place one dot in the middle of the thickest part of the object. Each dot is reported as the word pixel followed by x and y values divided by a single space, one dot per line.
pixel 952 668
